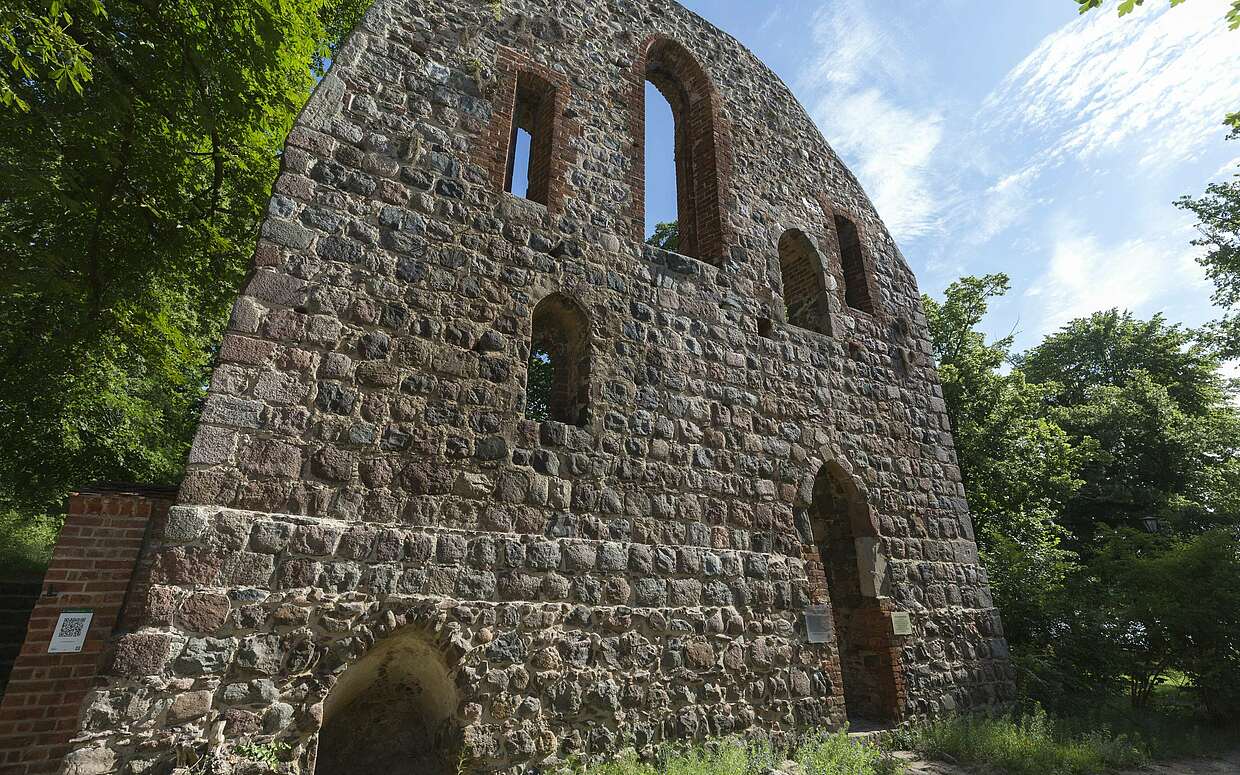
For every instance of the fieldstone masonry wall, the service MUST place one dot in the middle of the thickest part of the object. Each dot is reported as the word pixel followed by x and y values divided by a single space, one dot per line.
pixel 364 475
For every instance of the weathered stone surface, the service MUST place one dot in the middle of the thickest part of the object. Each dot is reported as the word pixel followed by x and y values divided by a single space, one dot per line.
pixel 188 707
pixel 637 568
pixel 90 761
pixel 140 654
pixel 203 612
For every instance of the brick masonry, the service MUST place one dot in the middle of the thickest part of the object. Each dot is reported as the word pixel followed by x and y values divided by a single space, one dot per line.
pixel 93 567
pixel 374 548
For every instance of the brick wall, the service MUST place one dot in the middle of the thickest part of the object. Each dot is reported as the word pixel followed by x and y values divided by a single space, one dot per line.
pixel 92 567
pixel 802 273
pixel 851 264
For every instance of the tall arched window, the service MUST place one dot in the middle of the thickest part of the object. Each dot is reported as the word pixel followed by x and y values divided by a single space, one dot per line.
pixel 700 162
pixel 558 383
pixel 805 296
pixel 858 293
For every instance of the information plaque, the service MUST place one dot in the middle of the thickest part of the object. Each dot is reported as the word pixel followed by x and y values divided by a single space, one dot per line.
pixel 70 633
pixel 818 625
pixel 901 623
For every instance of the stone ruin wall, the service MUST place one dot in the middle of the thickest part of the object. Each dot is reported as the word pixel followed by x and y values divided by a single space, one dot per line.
pixel 364 489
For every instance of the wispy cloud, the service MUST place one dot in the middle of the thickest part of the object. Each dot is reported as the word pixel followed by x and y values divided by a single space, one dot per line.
pixel 890 145
pixel 1085 275
pixel 1161 79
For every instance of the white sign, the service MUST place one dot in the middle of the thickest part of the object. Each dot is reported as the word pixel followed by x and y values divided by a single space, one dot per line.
pixel 901 623
pixel 70 633
pixel 818 625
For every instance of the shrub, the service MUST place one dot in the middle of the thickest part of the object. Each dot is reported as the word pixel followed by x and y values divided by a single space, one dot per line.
pixel 1023 744
pixel 26 544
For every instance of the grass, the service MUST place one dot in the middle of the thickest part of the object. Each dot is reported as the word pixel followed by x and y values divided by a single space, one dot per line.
pixel 1025 744
pixel 1032 743
pixel 25 544
pixel 823 754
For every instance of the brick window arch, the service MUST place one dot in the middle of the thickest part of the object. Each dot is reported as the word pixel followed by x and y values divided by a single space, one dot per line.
pixel 558 380
pixel 533 112
pixel 534 98
pixel 394 709
pixel 702 148
pixel 801 269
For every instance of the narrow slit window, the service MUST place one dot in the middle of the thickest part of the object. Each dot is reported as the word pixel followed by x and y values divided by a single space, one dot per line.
pixel 852 263
pixel 662 215
pixel 558 379
pixel 519 174
pixel 532 142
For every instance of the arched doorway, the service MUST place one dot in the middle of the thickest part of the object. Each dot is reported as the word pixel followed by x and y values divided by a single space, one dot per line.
pixel 391 713
pixel 846 541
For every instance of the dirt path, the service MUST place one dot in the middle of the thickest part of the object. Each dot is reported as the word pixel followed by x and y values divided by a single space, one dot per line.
pixel 1229 765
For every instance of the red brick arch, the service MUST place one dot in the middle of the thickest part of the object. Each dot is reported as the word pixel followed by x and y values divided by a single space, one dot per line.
pixel 703 150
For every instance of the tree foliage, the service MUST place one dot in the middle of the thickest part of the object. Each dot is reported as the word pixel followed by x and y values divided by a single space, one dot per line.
pixel 666 236
pixel 36 46
pixel 1067 452
pixel 1218 226
pixel 139 152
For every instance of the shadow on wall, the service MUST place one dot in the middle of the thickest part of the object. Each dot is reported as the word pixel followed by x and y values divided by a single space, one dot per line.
pixel 392 713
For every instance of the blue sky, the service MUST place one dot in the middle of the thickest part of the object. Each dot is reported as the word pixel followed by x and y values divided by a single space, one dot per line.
pixel 1012 136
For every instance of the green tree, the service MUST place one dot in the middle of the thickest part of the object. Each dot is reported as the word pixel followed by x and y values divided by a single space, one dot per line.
pixel 666 236
pixel 1150 395
pixel 36 47
pixel 1218 224
pixel 129 205
pixel 1173 602
pixel 1019 469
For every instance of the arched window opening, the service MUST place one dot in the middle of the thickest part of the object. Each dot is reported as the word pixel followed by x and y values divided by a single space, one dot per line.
pixel 671 70
pixel 805 296
pixel 852 262
pixel 662 209
pixel 847 545
pixel 558 381
pixel 532 141
pixel 391 712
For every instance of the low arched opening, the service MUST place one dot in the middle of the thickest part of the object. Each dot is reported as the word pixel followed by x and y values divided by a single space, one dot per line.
pixel 393 712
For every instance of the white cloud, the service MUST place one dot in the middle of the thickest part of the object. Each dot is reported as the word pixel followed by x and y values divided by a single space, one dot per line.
pixel 890 146
pixel 1162 78
pixel 1086 276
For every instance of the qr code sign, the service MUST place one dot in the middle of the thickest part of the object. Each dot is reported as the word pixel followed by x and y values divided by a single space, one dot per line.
pixel 70 633
pixel 72 628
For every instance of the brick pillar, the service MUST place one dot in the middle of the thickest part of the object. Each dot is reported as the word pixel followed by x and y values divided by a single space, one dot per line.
pixel 92 567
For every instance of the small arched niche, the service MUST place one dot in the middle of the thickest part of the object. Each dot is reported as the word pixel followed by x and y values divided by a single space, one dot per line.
pixel 558 380
pixel 391 713
pixel 805 295
pixel 846 539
